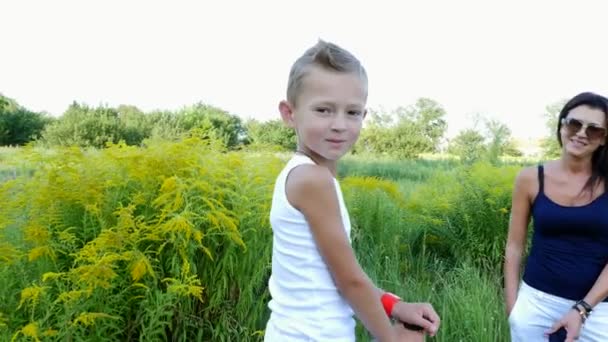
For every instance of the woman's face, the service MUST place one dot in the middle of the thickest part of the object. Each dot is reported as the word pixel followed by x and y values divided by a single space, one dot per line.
pixel 583 130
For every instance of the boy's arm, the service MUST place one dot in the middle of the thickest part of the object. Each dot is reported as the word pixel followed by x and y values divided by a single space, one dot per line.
pixel 415 315
pixel 311 190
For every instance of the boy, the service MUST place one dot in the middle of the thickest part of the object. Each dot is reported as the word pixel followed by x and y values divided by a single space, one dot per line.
pixel 316 283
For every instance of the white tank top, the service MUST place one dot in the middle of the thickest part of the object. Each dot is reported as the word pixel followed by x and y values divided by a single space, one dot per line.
pixel 303 292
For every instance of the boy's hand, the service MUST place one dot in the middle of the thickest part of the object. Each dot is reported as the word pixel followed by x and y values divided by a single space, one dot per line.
pixel 406 335
pixel 421 314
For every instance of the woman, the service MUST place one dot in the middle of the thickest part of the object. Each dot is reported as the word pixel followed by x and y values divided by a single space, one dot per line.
pixel 565 283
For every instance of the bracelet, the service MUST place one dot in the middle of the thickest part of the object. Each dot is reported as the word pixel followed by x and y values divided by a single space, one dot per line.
pixel 388 302
pixel 582 312
pixel 585 306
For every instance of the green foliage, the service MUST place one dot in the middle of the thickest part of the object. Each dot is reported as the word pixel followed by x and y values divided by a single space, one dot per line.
pixel 401 141
pixel 429 118
pixel 272 133
pixel 404 132
pixel 510 149
pixel 500 142
pixel 84 126
pixel 469 145
pixel 18 126
pixel 119 243
pixel 550 144
pixel 472 145
pixel 212 122
pixel 166 242
pixel 395 170
pixel 463 214
pixel 164 125
pixel 390 245
pixel 134 125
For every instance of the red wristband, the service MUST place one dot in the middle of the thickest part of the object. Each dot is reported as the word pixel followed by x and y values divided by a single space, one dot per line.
pixel 388 301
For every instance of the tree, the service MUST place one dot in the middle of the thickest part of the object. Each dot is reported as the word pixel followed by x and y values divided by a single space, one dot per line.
pixel 133 124
pixel 404 132
pixel 214 122
pixel 164 125
pixel 500 141
pixel 271 133
pixel 81 125
pixel 550 144
pixel 469 145
pixel 512 150
pixel 85 126
pixel 380 117
pixel 428 116
pixel 493 141
pixel 18 126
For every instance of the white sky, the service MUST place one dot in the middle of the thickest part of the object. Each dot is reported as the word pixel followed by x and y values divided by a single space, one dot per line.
pixel 503 59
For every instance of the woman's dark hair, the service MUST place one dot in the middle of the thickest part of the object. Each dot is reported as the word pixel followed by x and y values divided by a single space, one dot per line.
pixel 599 160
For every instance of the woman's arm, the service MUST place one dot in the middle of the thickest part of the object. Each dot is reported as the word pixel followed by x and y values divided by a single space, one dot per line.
pixel 518 228
pixel 311 190
pixel 599 291
pixel 572 320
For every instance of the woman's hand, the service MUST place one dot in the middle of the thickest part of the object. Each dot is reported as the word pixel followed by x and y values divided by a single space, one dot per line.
pixel 420 314
pixel 572 322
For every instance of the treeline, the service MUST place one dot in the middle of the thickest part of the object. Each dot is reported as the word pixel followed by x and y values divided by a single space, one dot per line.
pixel 86 126
pixel 18 126
pixel 404 132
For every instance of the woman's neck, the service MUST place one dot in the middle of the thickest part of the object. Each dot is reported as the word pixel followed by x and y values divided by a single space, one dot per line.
pixel 575 166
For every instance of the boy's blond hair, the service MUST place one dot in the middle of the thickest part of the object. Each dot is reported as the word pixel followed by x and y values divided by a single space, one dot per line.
pixel 325 55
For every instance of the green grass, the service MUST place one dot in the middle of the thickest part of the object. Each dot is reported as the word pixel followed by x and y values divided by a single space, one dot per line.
pixel 467 297
pixel 428 230
pixel 396 170
pixel 7 156
pixel 12 164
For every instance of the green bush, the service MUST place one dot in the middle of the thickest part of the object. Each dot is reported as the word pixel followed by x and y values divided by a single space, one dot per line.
pixel 171 241
pixel 167 242
pixel 463 215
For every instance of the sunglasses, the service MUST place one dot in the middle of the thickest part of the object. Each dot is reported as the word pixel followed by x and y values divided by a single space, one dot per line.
pixel 592 131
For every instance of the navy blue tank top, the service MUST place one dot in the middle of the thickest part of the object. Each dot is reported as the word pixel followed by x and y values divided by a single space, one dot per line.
pixel 569 245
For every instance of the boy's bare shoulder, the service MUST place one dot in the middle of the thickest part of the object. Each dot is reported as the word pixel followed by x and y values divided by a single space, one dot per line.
pixel 307 183
pixel 309 176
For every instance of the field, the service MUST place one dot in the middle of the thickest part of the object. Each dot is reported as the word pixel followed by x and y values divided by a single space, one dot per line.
pixel 172 241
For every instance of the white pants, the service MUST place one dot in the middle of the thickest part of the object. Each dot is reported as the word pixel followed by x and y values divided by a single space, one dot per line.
pixel 535 312
pixel 282 329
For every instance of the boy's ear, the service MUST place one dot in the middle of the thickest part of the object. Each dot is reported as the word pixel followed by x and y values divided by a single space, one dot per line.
pixel 287 113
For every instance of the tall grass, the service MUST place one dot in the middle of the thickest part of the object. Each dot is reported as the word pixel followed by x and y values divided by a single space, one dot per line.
pixel 169 242
pixel 388 245
pixel 172 242
pixel 7 160
pixel 395 170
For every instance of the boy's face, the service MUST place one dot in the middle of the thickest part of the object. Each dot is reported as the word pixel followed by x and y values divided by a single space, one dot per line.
pixel 329 113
